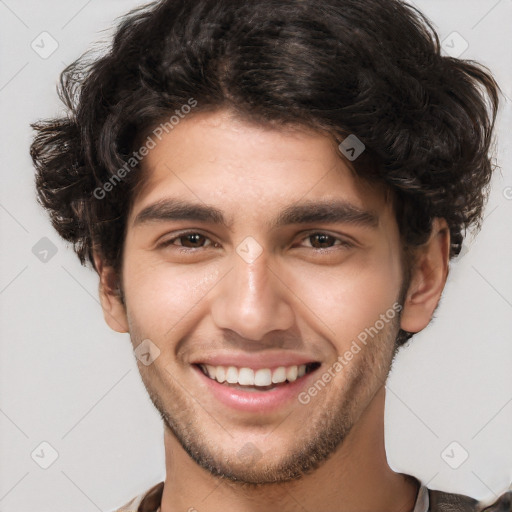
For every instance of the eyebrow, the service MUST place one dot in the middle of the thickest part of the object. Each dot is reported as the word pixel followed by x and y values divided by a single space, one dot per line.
pixel 308 212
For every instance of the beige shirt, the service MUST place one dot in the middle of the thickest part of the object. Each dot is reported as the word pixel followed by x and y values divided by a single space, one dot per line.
pixel 426 501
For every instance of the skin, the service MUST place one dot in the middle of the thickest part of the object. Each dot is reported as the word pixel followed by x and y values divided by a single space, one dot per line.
pixel 328 454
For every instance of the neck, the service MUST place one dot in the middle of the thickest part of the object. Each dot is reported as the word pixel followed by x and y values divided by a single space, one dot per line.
pixel 356 477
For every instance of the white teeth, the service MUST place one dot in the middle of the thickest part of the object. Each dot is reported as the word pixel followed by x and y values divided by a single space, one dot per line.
pixel 232 375
pixel 211 371
pixel 248 377
pixel 221 374
pixel 263 377
pixel 279 375
pixel 291 373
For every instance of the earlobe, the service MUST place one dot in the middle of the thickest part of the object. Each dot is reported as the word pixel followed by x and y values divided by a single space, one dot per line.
pixel 428 279
pixel 114 310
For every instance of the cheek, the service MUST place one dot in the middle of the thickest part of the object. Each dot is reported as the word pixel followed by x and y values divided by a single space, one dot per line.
pixel 349 298
pixel 162 298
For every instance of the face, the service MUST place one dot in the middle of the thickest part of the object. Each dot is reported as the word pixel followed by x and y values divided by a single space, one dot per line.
pixel 254 256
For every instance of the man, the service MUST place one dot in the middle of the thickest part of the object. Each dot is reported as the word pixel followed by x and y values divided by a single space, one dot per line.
pixel 271 193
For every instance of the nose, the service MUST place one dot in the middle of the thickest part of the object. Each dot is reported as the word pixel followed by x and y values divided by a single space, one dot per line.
pixel 252 300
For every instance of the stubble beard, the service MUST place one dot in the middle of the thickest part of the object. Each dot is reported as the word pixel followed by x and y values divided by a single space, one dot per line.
pixel 329 422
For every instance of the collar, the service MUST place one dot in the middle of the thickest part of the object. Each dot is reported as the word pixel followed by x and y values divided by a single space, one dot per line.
pixel 150 502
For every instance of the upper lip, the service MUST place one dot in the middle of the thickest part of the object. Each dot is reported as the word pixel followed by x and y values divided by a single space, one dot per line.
pixel 255 361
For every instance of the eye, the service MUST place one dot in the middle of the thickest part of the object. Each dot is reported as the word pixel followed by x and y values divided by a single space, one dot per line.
pixel 321 240
pixel 194 240
pixel 190 240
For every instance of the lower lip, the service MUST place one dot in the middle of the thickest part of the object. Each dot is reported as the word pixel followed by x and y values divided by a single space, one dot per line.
pixel 256 401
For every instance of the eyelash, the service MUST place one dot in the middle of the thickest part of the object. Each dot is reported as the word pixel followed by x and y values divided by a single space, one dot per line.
pixel 167 243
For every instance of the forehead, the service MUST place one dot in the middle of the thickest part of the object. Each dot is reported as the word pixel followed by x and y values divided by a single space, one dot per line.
pixel 217 158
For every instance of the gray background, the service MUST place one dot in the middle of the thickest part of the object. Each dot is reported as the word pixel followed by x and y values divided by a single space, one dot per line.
pixel 69 381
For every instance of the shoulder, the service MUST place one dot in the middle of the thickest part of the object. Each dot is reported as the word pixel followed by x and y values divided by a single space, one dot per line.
pixel 448 502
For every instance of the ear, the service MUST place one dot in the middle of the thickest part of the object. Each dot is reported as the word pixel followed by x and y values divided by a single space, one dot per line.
pixel 428 279
pixel 114 311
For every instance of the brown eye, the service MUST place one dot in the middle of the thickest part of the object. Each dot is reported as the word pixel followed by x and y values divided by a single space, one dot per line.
pixel 192 240
pixel 321 240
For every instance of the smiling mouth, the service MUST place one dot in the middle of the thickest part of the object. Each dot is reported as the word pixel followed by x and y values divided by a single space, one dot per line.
pixel 262 379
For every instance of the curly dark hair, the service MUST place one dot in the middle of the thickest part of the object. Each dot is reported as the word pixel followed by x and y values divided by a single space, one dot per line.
pixel 372 68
